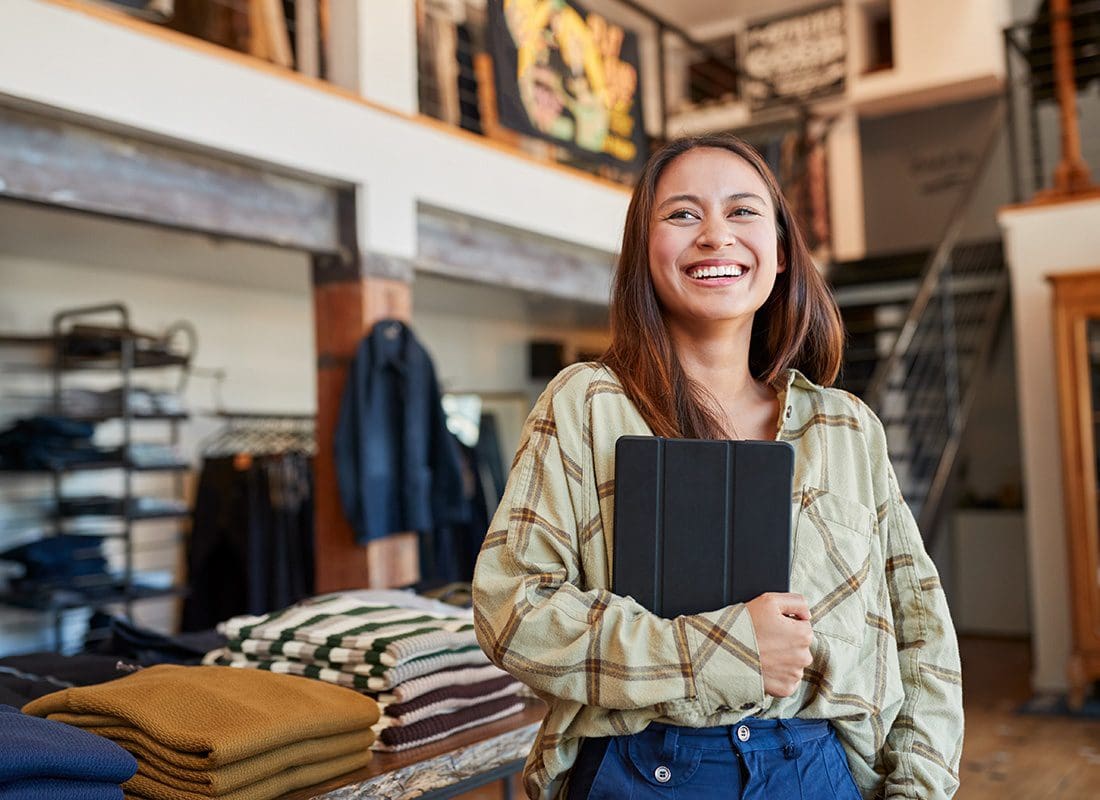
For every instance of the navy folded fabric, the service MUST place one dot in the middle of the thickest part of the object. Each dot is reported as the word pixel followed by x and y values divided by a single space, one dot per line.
pixel 59 789
pixel 31 747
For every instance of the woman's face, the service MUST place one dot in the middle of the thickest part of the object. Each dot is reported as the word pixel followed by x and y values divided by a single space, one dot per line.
pixel 713 248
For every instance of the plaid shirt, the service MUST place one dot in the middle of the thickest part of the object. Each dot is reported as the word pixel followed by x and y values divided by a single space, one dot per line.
pixel 885 660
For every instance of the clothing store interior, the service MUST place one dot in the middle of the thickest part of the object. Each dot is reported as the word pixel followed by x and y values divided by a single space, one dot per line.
pixel 281 281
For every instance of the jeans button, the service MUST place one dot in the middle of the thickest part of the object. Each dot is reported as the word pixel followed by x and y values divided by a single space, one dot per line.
pixel 743 733
pixel 663 774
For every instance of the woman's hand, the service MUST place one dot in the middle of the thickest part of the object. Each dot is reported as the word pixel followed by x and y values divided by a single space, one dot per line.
pixel 783 637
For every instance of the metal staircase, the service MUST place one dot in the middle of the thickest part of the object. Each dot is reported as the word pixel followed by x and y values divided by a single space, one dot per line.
pixel 920 345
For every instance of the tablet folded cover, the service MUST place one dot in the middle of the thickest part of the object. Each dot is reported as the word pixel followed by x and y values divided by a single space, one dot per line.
pixel 701 524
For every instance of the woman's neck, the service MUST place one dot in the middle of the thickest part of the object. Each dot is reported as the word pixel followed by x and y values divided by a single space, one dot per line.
pixel 717 359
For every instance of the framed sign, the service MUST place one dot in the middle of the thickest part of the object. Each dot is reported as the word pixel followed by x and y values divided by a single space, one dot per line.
pixel 800 56
pixel 568 76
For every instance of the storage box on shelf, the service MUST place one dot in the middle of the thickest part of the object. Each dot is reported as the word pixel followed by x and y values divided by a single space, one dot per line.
pixel 76 346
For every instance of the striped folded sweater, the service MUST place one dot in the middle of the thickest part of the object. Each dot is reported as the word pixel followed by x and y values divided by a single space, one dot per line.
pixel 405 737
pixel 448 700
pixel 341 629
pixel 365 677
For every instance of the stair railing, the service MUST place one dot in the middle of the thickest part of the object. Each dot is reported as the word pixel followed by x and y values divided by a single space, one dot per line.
pixel 924 388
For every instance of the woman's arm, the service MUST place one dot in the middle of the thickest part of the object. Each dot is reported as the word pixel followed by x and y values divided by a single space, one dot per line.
pixel 592 647
pixel 924 746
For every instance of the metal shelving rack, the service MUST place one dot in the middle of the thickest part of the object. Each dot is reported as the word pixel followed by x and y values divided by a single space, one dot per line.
pixel 125 361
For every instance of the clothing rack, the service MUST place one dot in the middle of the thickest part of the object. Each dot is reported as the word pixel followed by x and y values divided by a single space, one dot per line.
pixel 261 433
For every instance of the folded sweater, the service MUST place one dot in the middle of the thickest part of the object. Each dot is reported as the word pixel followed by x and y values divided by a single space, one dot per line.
pixel 425 643
pixel 375 678
pixel 37 748
pixel 217 715
pixel 346 627
pixel 274 785
pixel 450 676
pixel 186 772
pixel 59 789
pixel 448 700
pixel 404 737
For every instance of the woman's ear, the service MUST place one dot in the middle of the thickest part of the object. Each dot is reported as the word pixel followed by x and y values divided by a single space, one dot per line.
pixel 780 258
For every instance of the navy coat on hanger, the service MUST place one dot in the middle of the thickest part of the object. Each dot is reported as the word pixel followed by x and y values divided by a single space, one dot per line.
pixel 396 463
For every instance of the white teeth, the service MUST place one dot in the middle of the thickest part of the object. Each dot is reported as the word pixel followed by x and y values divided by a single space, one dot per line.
pixel 725 271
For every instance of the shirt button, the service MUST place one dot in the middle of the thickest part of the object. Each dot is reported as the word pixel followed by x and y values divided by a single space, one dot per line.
pixel 743 733
pixel 663 774
pixel 787 413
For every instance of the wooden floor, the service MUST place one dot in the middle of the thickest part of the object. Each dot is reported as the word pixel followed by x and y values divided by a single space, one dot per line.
pixel 1009 756
pixel 1006 756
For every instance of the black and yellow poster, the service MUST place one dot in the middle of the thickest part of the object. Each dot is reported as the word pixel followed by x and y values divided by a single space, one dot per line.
pixel 568 76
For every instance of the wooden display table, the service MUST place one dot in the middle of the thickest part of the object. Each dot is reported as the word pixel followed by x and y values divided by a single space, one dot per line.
pixel 445 768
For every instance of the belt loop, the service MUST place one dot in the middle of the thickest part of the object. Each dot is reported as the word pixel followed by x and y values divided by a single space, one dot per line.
pixel 793 747
pixel 668 749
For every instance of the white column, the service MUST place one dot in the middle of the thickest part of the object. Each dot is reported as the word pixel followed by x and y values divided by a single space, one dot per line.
pixel 1041 240
pixel 845 166
pixel 372 50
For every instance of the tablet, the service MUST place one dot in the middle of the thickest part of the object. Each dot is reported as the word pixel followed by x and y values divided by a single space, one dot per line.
pixel 700 524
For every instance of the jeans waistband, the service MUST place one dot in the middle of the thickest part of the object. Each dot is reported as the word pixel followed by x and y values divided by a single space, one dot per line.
pixel 761 734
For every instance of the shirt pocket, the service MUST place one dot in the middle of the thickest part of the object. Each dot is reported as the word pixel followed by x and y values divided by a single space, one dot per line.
pixel 831 563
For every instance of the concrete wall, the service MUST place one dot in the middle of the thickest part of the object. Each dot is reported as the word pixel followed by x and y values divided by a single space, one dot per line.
pixel 1041 240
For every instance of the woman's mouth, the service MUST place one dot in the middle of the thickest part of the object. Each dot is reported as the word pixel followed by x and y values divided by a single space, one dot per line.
pixel 715 273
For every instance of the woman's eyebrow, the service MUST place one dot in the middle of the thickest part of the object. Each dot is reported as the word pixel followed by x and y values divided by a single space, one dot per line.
pixel 691 198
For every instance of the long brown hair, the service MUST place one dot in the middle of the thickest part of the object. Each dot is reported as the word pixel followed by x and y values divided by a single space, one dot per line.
pixel 798 326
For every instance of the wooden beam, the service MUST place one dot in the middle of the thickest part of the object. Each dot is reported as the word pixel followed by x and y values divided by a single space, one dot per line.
pixel 459 246
pixel 1072 173
pixel 343 312
pixel 347 301
pixel 59 163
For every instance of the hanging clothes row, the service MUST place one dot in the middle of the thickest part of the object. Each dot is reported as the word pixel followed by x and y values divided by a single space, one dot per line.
pixel 398 465
pixel 251 545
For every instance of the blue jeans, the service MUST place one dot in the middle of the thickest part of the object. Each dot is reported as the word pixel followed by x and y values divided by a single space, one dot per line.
pixel 756 759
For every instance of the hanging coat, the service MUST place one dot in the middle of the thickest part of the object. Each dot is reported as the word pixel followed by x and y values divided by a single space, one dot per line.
pixel 396 463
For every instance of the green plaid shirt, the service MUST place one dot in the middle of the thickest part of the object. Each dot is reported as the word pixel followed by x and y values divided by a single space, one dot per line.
pixel 885 660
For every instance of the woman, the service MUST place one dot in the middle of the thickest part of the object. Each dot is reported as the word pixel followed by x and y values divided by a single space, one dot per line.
pixel 849 685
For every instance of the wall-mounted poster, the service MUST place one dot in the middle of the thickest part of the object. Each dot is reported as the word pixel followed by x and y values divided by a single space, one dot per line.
pixel 569 76
pixel 800 55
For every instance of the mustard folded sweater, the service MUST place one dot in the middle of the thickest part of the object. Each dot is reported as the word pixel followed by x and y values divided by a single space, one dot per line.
pixel 201 732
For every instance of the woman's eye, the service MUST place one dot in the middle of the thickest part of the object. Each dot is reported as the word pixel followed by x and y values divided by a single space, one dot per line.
pixel 683 213
pixel 744 211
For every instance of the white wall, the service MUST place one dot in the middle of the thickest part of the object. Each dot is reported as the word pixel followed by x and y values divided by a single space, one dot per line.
pixel 252 307
pixel 66 60
pixel 944 50
pixel 1041 240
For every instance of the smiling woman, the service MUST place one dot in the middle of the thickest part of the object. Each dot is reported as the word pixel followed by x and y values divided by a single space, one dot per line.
pixel 848 686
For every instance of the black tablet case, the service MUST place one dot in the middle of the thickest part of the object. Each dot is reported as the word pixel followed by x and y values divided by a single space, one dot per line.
pixel 701 524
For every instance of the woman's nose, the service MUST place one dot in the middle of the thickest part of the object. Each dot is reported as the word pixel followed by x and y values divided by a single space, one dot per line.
pixel 715 234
